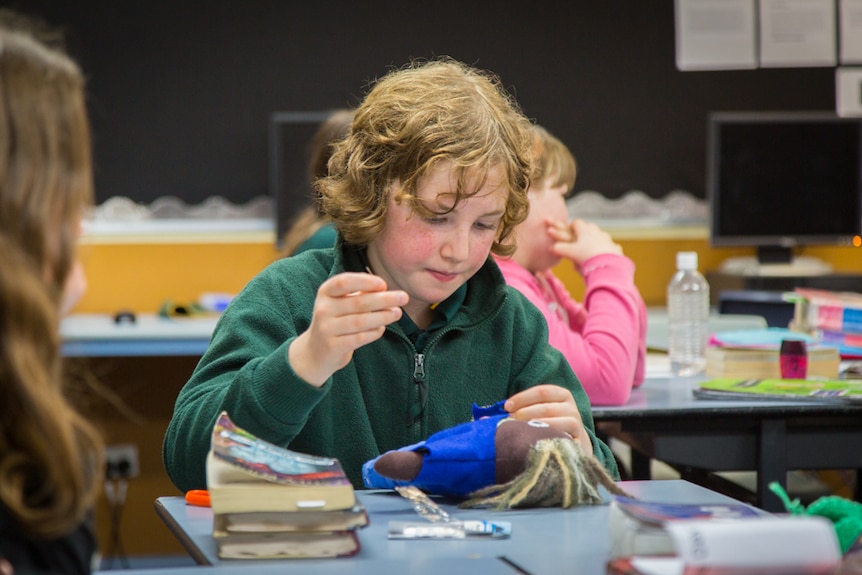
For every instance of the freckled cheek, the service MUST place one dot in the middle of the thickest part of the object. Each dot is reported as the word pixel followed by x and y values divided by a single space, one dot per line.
pixel 480 249
pixel 413 246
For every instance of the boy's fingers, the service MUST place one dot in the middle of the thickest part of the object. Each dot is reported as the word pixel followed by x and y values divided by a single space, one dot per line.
pixel 370 321
pixel 351 282
pixel 538 394
pixel 367 302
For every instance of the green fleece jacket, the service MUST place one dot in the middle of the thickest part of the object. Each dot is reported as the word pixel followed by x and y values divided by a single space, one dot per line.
pixel 495 346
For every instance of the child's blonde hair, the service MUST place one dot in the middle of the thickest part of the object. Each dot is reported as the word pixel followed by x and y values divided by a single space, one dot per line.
pixel 552 160
pixel 413 119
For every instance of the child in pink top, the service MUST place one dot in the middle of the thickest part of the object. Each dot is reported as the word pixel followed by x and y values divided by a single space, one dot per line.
pixel 603 338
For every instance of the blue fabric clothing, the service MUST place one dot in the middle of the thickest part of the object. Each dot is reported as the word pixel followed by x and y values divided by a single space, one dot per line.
pixel 456 461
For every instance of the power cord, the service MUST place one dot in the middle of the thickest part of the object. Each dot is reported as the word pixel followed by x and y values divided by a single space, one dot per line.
pixel 115 492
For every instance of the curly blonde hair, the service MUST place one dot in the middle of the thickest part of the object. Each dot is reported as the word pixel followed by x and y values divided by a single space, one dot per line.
pixel 413 119
pixel 50 456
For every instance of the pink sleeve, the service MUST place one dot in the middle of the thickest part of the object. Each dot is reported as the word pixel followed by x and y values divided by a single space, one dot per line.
pixel 605 339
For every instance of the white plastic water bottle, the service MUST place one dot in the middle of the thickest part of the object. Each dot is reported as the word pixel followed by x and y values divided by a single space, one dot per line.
pixel 687 316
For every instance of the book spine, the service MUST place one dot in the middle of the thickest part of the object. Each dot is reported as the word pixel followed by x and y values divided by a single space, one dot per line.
pixel 835 317
pixel 841 338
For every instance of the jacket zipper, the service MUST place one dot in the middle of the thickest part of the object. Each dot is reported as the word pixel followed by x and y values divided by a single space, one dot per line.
pixel 421 389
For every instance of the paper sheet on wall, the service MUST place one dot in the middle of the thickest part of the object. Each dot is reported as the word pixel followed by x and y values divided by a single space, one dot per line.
pixel 715 34
pixel 850 47
pixel 848 91
pixel 797 33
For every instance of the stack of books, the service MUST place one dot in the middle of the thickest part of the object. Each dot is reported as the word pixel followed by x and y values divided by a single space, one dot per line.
pixel 269 502
pixel 756 353
pixel 763 361
pixel 832 318
pixel 649 537
pixel 639 527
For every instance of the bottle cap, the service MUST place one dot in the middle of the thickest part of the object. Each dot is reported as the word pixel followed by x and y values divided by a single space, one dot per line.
pixel 686 260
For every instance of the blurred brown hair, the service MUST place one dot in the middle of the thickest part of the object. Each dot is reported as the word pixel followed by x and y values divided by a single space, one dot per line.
pixel 552 160
pixel 312 218
pixel 50 456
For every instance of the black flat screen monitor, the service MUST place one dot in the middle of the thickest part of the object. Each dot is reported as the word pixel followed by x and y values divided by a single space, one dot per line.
pixel 781 180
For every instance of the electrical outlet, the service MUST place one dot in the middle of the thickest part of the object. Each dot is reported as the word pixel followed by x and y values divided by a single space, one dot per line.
pixel 121 461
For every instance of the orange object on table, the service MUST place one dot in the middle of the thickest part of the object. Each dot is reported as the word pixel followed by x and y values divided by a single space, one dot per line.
pixel 199 497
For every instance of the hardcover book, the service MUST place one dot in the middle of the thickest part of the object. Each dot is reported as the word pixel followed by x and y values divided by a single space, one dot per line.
pixel 745 362
pixel 639 527
pixel 295 545
pixel 247 474
pixel 289 521
pixel 834 311
pixel 848 344
pixel 717 539
pixel 792 545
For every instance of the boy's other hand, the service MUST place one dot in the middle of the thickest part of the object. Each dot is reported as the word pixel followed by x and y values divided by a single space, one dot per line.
pixel 553 405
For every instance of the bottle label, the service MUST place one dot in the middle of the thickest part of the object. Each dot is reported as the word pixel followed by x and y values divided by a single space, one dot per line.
pixel 793 359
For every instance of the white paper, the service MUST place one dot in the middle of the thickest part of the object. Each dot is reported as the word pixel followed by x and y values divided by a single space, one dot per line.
pixel 791 541
pixel 850 16
pixel 715 35
pixel 657 365
pixel 797 33
pixel 658 565
pixel 848 92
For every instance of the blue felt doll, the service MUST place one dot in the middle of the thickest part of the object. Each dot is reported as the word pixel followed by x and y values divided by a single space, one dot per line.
pixel 496 461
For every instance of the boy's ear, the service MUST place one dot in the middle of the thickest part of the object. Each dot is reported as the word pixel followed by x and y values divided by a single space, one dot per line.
pixel 513 441
pixel 400 465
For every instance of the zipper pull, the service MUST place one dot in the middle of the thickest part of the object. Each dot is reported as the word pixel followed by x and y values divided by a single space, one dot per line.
pixel 421 389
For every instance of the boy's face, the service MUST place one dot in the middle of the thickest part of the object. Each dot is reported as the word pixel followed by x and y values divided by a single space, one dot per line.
pixel 430 258
pixel 547 202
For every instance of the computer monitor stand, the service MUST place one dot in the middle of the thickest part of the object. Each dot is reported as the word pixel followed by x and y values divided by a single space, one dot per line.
pixel 798 266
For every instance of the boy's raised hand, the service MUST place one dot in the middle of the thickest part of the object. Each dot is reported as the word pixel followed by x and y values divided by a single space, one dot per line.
pixel 579 240
pixel 350 310
pixel 553 405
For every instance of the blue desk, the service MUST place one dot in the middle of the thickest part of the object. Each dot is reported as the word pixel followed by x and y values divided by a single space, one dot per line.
pixel 543 541
pixel 97 335
pixel 663 420
pixel 416 566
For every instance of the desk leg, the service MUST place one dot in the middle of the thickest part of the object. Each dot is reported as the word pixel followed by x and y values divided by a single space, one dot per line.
pixel 772 464
pixel 641 465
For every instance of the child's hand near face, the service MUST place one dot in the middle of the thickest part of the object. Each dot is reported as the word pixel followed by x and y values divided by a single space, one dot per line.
pixel 553 405
pixel 350 310
pixel 579 240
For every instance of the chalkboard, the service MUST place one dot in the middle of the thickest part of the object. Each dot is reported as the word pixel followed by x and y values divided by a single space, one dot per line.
pixel 181 93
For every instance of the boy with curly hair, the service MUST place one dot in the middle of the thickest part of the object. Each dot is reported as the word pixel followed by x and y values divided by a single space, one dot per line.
pixel 391 335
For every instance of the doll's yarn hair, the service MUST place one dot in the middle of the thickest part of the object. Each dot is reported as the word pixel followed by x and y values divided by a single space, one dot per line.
pixel 557 474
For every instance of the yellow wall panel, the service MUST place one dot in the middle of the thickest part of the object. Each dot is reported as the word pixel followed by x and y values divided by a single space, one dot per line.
pixel 141 277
